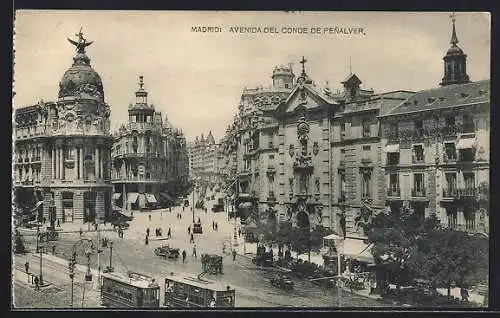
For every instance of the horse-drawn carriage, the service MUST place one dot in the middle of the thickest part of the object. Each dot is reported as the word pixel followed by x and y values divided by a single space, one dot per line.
pixel 263 258
pixel 211 263
pixel 166 251
pixel 197 228
pixel 282 281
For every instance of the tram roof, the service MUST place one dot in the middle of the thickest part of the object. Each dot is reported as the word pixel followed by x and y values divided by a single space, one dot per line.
pixel 134 281
pixel 194 281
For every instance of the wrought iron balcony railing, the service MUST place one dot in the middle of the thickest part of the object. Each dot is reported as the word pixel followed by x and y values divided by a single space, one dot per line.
pixel 394 192
pixel 416 193
pixel 418 159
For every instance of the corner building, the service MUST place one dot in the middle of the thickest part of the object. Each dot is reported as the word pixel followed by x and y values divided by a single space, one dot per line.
pixel 63 148
pixel 149 157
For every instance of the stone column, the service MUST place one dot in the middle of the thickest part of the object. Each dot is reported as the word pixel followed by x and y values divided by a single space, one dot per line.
pixel 99 205
pixel 47 201
pixel 53 162
pixel 62 163
pixel 75 166
pixel 96 163
pixel 59 205
pixel 81 163
pixel 57 162
pixel 101 163
pixel 78 207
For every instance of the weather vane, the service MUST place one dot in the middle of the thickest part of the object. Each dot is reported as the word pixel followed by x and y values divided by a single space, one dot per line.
pixel 82 42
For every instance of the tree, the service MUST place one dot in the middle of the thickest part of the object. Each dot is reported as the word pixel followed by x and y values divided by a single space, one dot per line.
pixel 394 237
pixel 445 256
pixel 19 247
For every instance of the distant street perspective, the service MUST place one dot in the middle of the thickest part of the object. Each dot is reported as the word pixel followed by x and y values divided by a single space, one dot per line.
pixel 309 196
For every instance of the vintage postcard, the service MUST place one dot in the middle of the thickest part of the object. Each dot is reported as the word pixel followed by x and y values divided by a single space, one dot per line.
pixel 198 160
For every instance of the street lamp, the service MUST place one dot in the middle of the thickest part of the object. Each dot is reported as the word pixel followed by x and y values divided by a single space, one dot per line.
pixel 339 245
pixel 110 267
pixel 72 263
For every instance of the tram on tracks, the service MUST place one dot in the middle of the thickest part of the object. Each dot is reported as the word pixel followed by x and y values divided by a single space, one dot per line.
pixel 194 292
pixel 130 290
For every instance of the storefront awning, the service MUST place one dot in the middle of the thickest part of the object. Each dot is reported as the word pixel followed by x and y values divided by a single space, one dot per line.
pixel 151 198
pixel 116 196
pixel 358 250
pixel 466 143
pixel 132 197
pixel 245 205
pixel 165 197
pixel 391 148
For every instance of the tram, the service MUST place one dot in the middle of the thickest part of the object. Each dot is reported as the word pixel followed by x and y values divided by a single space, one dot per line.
pixel 131 290
pixel 193 292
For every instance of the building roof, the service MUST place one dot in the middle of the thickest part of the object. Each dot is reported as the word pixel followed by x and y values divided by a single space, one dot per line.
pixel 445 97
pixel 193 281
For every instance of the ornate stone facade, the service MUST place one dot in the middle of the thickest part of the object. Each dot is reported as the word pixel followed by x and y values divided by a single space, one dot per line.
pixel 63 148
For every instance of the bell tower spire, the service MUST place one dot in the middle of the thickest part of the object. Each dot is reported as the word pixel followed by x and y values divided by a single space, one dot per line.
pixel 455 65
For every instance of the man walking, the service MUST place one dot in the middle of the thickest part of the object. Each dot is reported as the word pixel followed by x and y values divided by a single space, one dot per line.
pixel 37 283
pixel 169 234
pixel 213 225
pixel 234 255
pixel 58 223
pixel 191 240
pixel 147 231
pixel 189 229
pixel 183 256
pixel 147 240
pixel 194 250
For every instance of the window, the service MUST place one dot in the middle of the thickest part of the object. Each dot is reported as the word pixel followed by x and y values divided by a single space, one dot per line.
pixel 469 180
pixel 450 121
pixel 366 154
pixel 271 157
pixel 450 153
pixel 366 128
pixel 342 187
pixel 393 158
pixel 394 184
pixel 366 184
pixel 468 124
pixel 418 185
pixel 466 155
pixel 393 131
pixel 271 143
pixel 418 154
pixel 418 125
pixel 343 129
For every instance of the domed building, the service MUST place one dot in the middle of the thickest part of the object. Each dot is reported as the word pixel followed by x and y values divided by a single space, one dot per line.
pixel 64 147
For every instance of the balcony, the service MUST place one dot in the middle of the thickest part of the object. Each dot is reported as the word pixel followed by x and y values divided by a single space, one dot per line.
pixel 137 179
pixel 417 193
pixel 450 193
pixel 271 170
pixel 393 192
pixel 418 133
pixel 303 163
pixel 366 161
pixel 449 158
pixel 138 154
pixel 418 159
pixel 467 192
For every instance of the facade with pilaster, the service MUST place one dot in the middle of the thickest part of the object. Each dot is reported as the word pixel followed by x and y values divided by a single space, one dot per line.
pixel 436 149
pixel 149 157
pixel 63 148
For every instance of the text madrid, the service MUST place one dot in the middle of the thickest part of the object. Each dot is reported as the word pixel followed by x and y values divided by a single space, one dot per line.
pixel 283 30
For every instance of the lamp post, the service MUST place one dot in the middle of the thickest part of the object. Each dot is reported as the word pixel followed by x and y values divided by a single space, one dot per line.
pixel 72 263
pixel 41 257
pixel 110 268
pixel 339 245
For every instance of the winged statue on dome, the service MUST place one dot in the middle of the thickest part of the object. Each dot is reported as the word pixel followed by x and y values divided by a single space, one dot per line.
pixel 82 42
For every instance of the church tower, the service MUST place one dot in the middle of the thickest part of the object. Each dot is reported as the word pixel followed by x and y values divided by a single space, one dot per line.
pixel 455 70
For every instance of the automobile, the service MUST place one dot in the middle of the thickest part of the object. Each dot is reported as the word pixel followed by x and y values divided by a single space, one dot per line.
pixel 166 251
pixel 282 281
pixel 197 228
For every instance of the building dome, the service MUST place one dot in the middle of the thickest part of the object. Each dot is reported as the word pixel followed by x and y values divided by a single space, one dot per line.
pixel 81 79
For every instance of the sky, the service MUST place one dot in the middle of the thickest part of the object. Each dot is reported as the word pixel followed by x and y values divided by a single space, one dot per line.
pixel 197 78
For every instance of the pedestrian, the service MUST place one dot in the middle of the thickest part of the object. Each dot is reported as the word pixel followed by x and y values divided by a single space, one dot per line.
pixel 239 232
pixel 194 250
pixel 192 238
pixel 150 217
pixel 199 221
pixel 95 225
pixel 147 240
pixel 213 225
pixel 37 285
pixel 58 223
pixel 81 232
pixel 216 226
pixel 147 231
pixel 169 234
pixel 27 266
pixel 182 209
pixel 183 256
pixel 189 229
pixel 53 250
pixel 170 209
pixel 234 255
pixel 464 294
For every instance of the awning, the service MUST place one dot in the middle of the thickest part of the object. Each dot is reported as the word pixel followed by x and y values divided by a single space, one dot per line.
pixel 116 196
pixel 332 237
pixel 358 250
pixel 466 143
pixel 132 197
pixel 151 198
pixel 391 148
pixel 165 197
pixel 245 205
